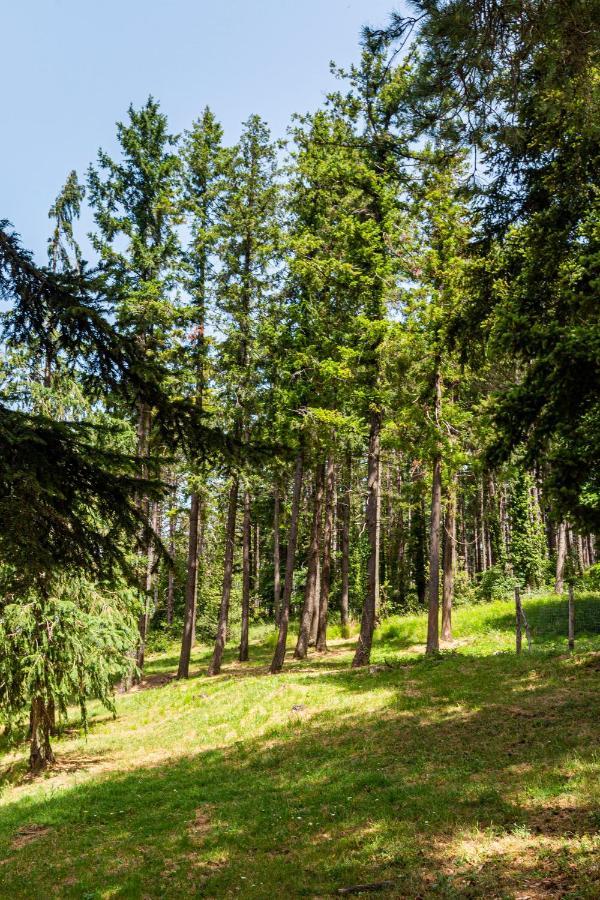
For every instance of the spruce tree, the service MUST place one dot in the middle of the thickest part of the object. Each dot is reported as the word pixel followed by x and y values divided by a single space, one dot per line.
pixel 203 192
pixel 247 248
pixel 135 204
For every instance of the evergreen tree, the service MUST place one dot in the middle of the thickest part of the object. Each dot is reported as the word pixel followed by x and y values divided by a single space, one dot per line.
pixel 135 203
pixel 247 248
pixel 513 86
pixel 203 193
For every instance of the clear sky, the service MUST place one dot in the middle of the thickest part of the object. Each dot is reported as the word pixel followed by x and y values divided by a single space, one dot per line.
pixel 72 67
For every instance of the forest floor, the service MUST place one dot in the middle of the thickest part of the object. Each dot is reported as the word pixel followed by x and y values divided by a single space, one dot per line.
pixel 474 774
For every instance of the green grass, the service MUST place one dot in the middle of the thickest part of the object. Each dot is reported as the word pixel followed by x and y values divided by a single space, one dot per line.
pixel 474 774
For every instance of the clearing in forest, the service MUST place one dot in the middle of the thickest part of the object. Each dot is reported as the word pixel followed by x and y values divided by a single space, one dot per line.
pixel 474 774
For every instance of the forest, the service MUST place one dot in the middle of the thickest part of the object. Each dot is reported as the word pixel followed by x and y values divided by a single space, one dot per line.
pixel 319 408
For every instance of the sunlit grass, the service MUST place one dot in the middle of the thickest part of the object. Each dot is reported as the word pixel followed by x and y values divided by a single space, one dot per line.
pixel 474 774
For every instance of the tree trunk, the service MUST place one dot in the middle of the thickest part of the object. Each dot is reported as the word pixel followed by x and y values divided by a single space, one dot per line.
pixel 483 539
pixel 518 620
pixel 433 642
pixel 314 622
pixel 561 555
pixel 580 558
pixel 367 625
pixel 279 655
pixel 571 618
pixel 433 637
pixel 420 554
pixel 171 573
pixel 327 548
pixel 345 597
pixel 145 615
pixel 190 589
pixel 40 750
pixel 310 591
pixel 199 568
pixel 449 562
pixel 143 504
pixel 276 557
pixel 504 524
pixel 246 536
pixel 256 561
pixel 215 663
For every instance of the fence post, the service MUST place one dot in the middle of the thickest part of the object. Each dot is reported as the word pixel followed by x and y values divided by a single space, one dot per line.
pixel 571 619
pixel 518 617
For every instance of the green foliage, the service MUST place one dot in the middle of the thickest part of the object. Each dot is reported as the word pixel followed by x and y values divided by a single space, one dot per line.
pixel 68 645
pixel 509 82
pixel 135 204
pixel 65 502
pixel 591 578
pixel 63 249
pixel 496 583
pixel 527 541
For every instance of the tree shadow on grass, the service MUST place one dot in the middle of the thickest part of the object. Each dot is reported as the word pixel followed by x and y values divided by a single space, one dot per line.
pixel 443 769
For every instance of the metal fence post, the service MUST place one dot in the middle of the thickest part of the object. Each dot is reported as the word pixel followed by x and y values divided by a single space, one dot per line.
pixel 571 619
pixel 518 617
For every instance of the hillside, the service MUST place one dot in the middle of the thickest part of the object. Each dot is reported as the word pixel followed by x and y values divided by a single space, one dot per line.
pixel 474 774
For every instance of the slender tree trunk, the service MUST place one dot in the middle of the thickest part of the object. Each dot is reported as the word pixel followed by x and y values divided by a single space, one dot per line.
pixel 146 551
pixel 246 536
pixel 256 560
pixel 449 563
pixel 199 568
pixel 190 589
pixel 145 615
pixel 571 618
pixel 314 622
pixel 420 567
pixel 327 548
pixel 586 551
pixel 518 620
pixel 276 557
pixel 464 537
pixel 580 559
pixel 279 655
pixel 310 591
pixel 433 638
pixel 483 542
pixel 345 596
pixel 494 536
pixel 401 558
pixel 433 643
pixel 215 663
pixel 171 573
pixel 367 625
pixel 561 555
pixel 504 524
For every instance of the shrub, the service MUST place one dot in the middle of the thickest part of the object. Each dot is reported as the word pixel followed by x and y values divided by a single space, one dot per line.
pixel 591 579
pixel 496 584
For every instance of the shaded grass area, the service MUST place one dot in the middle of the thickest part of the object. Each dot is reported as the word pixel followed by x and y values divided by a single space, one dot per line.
pixel 471 775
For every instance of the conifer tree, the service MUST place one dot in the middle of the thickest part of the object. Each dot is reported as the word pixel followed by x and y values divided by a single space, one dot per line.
pixel 135 206
pixel 247 250
pixel 376 150
pixel 203 190
pixel 63 250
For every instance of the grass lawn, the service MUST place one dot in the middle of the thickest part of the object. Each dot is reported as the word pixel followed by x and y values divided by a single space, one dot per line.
pixel 471 775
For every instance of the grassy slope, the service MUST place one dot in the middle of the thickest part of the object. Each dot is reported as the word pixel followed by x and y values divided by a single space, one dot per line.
pixel 475 775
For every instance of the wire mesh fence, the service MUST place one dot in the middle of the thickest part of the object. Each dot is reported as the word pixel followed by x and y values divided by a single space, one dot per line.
pixel 543 623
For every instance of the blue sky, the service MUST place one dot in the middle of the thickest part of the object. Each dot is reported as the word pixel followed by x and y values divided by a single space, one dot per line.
pixel 73 67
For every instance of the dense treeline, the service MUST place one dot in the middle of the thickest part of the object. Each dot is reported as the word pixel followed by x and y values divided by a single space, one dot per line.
pixel 349 375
